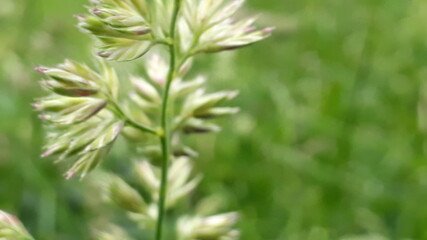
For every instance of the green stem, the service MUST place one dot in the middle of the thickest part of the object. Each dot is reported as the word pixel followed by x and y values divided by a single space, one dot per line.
pixel 142 127
pixel 165 137
pixel 131 122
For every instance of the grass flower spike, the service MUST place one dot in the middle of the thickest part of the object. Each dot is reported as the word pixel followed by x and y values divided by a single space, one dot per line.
pixel 209 26
pixel 86 110
pixel 179 182
pixel 76 113
pixel 121 27
pixel 12 229
pixel 217 227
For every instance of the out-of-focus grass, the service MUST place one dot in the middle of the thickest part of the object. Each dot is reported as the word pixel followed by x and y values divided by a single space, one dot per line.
pixel 330 142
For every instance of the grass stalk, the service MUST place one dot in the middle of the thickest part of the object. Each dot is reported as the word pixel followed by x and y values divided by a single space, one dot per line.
pixel 165 137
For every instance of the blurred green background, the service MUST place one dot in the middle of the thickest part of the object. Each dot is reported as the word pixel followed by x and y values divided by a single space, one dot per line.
pixel 330 142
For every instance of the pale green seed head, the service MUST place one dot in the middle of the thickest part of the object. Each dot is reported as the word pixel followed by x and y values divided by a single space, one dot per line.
pixel 126 197
pixel 11 228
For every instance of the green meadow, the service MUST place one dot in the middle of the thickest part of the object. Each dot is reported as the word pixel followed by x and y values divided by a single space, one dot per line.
pixel 330 142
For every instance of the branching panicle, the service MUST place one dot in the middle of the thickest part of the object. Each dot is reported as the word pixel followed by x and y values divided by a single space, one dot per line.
pixel 87 110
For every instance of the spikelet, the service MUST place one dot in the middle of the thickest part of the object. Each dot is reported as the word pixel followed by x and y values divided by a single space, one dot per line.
pixel 11 228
